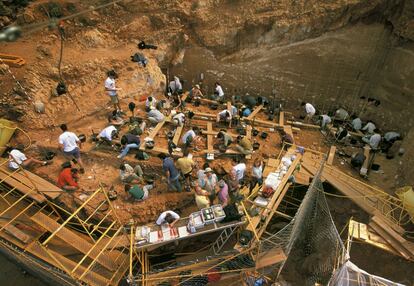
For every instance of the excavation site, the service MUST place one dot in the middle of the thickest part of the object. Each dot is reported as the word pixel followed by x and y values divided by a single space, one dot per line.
pixel 207 142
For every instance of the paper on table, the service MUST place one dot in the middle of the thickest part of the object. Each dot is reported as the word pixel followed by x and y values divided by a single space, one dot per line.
pixel 182 231
pixel 153 236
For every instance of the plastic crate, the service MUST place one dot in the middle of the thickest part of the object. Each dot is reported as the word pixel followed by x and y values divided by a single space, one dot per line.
pixel 197 220
pixel 208 215
pixel 218 212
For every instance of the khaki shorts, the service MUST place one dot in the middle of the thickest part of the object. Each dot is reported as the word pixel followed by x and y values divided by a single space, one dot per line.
pixel 114 99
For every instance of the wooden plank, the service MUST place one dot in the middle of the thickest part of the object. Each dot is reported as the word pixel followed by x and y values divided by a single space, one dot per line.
pixel 249 132
pixel 74 240
pixel 270 257
pixel 20 235
pixel 153 133
pixel 390 240
pixel 255 112
pixel 210 148
pixel 282 118
pixel 302 178
pixel 91 277
pixel 184 96
pixel 22 188
pixel 331 155
pixel 363 231
pixel 30 180
pixel 288 130
pixel 177 134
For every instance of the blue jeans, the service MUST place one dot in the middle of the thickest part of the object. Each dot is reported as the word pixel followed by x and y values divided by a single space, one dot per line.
pixel 175 184
pixel 126 149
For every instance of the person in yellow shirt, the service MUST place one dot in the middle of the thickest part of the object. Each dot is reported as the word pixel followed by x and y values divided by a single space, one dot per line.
pixel 185 164
pixel 201 197
pixel 244 145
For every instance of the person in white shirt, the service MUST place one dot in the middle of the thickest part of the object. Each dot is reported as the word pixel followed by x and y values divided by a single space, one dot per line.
pixel 178 118
pixel 190 136
pixel 341 114
pixel 369 127
pixel 155 116
pixel 175 85
pixel 169 217
pixel 373 140
pixel 108 133
pixel 218 92
pixel 224 116
pixel 310 110
pixel 239 168
pixel 18 158
pixel 70 145
pixel 356 123
pixel 111 89
pixel 325 120
pixel 150 103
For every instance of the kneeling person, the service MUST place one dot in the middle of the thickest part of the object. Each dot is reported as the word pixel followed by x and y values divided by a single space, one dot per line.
pixel 138 193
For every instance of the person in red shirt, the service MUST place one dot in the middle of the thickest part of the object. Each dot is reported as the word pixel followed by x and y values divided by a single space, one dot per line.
pixel 68 178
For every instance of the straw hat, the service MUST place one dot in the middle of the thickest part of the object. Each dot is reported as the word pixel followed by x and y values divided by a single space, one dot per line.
pixel 208 170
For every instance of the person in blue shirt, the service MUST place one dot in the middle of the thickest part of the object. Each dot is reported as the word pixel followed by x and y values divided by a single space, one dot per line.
pixel 245 111
pixel 171 172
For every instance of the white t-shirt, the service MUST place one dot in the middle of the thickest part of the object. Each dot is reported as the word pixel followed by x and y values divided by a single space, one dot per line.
pixel 152 103
pixel 374 141
pixel 68 140
pixel 161 218
pixel 18 157
pixel 222 114
pixel 369 127
pixel 326 120
pixel 187 134
pixel 180 117
pixel 107 132
pixel 239 169
pixel 219 91
pixel 110 84
pixel 357 124
pixel 310 110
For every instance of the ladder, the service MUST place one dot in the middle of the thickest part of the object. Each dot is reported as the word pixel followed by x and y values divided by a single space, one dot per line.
pixel 222 239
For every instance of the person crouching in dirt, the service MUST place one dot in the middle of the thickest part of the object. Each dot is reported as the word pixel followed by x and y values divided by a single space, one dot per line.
pixel 244 145
pixel 195 94
pixel 138 193
pixel 190 138
pixel 224 116
pixel 224 138
pixel 107 135
pixel 112 90
pixel 155 116
pixel 286 139
pixel 19 159
pixel 68 178
pixel 150 103
pixel 128 174
pixel 115 119
pixel 178 119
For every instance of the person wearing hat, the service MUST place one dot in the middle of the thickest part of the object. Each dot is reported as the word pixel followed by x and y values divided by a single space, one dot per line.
pixel 112 90
pixel 201 197
pixel 68 178
pixel 195 93
pixel 150 103
pixel 70 145
pixel 185 164
pixel 223 193
pixel 244 145
pixel 209 183
pixel 17 158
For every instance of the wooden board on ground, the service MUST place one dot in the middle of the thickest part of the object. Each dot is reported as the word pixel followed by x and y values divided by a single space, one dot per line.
pixel 184 96
pixel 288 130
pixel 30 191
pixel 210 148
pixel 177 134
pixel 254 113
pixel 75 240
pixel 282 118
pixel 153 133
pixel 331 155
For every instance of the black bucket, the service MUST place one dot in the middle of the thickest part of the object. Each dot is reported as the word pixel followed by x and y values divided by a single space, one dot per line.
pixel 82 138
pixel 256 146
pixel 49 155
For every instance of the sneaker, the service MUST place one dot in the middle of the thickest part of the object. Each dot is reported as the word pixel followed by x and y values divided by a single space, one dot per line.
pixel 119 157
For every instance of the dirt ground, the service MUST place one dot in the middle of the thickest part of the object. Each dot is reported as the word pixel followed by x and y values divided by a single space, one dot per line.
pixel 106 39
